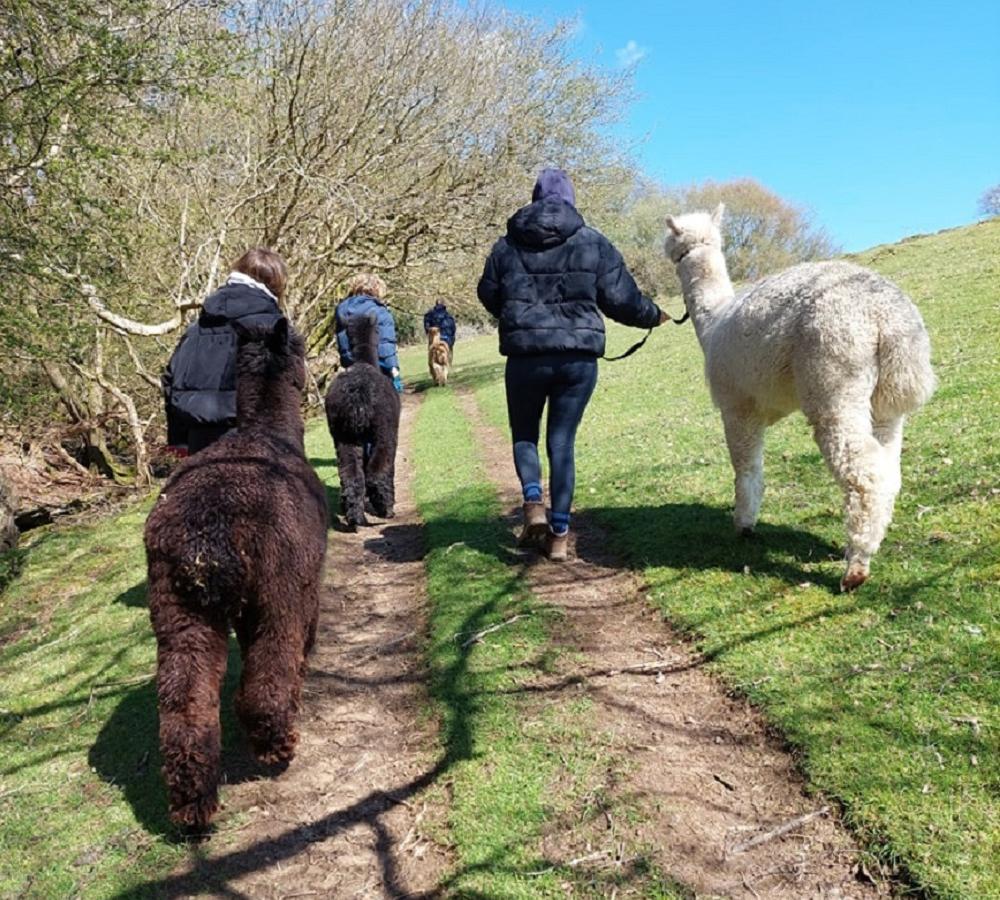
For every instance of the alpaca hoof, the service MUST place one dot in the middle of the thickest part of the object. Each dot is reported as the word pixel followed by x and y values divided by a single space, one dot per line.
pixel 278 754
pixel 194 818
pixel 853 578
pixel 747 531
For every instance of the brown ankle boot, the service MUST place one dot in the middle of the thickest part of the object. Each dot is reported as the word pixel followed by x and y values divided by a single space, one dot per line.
pixel 557 546
pixel 535 524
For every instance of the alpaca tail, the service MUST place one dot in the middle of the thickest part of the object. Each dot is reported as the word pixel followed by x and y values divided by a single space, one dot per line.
pixel 362 334
pixel 906 380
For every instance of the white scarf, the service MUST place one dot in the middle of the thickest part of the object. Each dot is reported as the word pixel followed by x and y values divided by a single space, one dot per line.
pixel 242 278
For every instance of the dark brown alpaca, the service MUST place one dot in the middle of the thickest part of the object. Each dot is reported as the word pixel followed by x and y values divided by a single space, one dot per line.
pixel 237 538
pixel 362 410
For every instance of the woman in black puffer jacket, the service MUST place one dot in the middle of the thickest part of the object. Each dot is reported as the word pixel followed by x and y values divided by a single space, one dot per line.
pixel 199 383
pixel 548 281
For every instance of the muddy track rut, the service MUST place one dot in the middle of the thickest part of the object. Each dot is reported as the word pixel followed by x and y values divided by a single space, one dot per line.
pixel 723 808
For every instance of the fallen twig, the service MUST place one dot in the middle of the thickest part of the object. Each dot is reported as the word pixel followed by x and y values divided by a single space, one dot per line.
pixel 968 720
pixel 478 636
pixel 579 861
pixel 780 830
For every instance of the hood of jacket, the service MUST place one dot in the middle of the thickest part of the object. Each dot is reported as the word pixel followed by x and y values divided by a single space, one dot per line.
pixel 236 301
pixel 545 223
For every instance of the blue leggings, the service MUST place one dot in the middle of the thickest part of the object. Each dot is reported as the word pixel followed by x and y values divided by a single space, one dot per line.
pixel 566 381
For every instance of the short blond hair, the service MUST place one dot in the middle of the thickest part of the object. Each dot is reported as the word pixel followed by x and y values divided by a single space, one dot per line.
pixel 366 283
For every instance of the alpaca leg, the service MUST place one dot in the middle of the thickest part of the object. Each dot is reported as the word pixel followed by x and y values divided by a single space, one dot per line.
pixel 191 663
pixel 889 433
pixel 274 651
pixel 745 439
pixel 380 472
pixel 857 461
pixel 350 465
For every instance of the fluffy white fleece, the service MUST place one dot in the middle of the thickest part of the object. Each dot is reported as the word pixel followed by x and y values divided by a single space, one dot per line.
pixel 838 341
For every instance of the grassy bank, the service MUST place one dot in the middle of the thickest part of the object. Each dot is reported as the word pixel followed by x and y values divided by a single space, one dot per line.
pixel 890 694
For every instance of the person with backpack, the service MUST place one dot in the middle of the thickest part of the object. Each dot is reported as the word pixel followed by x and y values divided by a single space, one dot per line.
pixel 548 281
pixel 199 382
pixel 366 296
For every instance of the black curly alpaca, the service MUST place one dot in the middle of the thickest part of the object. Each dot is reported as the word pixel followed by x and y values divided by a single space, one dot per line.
pixel 362 410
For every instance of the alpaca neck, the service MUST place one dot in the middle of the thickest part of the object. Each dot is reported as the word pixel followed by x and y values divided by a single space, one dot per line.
pixel 706 287
pixel 272 406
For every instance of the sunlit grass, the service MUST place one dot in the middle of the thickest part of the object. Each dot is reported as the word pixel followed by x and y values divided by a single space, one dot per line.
pixel 890 694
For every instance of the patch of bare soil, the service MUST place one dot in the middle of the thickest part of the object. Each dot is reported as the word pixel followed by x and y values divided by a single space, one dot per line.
pixel 722 807
pixel 348 817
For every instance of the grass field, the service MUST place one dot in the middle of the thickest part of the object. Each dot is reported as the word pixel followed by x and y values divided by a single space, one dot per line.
pixel 891 694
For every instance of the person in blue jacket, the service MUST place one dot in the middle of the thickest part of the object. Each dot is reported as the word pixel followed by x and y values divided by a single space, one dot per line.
pixel 199 383
pixel 366 296
pixel 439 317
pixel 548 281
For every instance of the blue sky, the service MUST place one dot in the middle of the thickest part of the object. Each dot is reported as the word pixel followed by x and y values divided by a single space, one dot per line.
pixel 881 117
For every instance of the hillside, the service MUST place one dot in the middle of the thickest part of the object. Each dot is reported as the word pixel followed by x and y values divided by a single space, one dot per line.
pixel 888 697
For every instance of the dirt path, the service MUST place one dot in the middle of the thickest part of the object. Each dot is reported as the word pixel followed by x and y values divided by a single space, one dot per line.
pixel 345 820
pixel 708 778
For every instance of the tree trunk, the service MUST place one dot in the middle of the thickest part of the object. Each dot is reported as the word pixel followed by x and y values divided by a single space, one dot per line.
pixel 8 528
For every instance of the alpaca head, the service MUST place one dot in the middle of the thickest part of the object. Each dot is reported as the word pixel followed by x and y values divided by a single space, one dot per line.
pixel 689 232
pixel 270 377
pixel 274 352
pixel 433 334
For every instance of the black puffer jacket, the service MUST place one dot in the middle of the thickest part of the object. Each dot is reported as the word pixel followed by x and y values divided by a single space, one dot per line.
pixel 199 384
pixel 550 278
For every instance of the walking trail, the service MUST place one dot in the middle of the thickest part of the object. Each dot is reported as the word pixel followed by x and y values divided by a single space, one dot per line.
pixel 723 808
pixel 346 818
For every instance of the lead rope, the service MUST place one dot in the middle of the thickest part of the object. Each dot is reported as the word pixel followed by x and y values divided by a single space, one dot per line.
pixel 638 346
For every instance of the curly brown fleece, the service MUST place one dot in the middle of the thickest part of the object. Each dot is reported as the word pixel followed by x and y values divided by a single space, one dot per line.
pixel 237 538
pixel 362 409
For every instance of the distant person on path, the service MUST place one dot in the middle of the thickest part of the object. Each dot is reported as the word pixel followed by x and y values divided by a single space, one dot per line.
pixel 366 296
pixel 548 281
pixel 439 317
pixel 199 383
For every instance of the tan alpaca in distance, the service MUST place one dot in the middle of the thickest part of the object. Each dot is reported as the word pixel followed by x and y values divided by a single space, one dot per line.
pixel 438 357
pixel 839 342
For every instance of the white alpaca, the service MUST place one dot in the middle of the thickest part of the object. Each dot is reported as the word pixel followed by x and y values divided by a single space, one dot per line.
pixel 837 341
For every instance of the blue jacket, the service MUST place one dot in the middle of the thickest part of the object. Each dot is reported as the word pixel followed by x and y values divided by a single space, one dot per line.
pixel 549 279
pixel 199 383
pixel 362 305
pixel 439 317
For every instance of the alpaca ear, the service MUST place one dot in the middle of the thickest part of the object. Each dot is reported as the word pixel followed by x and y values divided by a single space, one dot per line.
pixel 279 337
pixel 717 215
pixel 672 225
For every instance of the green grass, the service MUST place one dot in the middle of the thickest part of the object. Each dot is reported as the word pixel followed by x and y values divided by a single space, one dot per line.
pixel 80 796
pixel 891 694
pixel 517 764
pixel 82 803
pixel 878 690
